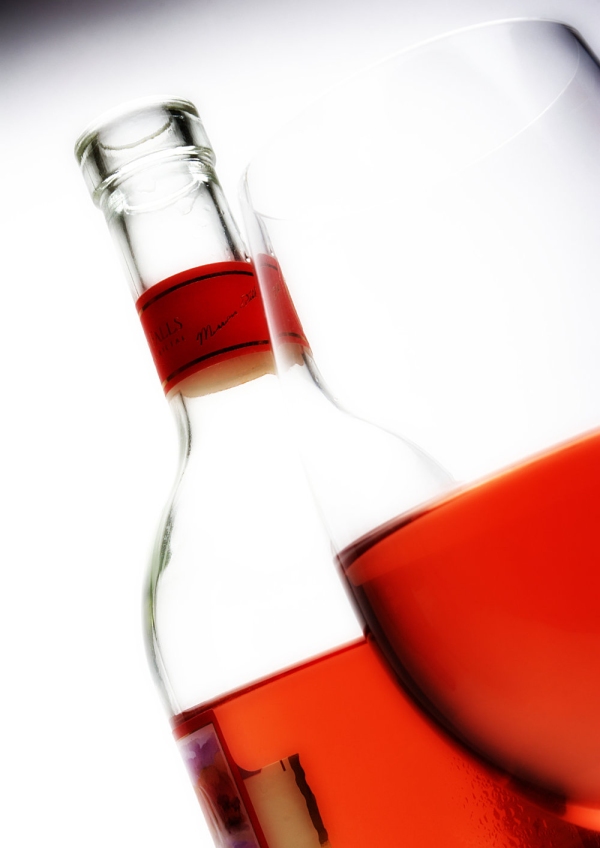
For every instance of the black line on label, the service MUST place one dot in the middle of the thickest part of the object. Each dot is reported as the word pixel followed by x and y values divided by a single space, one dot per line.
pixel 194 280
pixel 221 350
pixel 294 335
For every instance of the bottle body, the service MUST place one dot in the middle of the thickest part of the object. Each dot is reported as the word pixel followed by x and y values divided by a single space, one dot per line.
pixel 293 730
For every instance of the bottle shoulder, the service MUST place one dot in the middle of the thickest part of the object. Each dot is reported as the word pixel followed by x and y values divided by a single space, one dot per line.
pixel 242 582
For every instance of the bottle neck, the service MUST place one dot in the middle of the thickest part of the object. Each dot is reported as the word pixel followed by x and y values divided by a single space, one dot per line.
pixel 170 216
pixel 228 403
pixel 195 288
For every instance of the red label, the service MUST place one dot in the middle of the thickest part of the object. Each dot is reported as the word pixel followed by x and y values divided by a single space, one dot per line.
pixel 285 324
pixel 213 313
pixel 201 317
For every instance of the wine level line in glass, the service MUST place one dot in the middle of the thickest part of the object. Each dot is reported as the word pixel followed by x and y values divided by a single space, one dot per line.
pixel 486 606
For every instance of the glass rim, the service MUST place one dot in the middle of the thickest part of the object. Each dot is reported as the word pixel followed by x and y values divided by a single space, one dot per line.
pixel 270 144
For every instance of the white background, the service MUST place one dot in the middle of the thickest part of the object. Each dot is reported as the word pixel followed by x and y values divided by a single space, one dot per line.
pixel 88 447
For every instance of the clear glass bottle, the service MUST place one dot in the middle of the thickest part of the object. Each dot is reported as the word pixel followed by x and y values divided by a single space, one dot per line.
pixel 294 732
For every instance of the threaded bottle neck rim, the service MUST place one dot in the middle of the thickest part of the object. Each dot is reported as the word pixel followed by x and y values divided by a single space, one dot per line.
pixel 139 134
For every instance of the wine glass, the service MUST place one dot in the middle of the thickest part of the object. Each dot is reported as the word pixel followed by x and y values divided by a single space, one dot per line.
pixel 437 222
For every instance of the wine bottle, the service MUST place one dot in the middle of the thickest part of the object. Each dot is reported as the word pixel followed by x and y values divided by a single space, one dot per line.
pixel 293 730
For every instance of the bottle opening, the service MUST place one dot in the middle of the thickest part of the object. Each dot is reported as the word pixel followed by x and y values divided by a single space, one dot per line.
pixel 137 133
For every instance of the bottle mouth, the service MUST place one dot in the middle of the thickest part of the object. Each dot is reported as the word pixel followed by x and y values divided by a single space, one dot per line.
pixel 136 134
